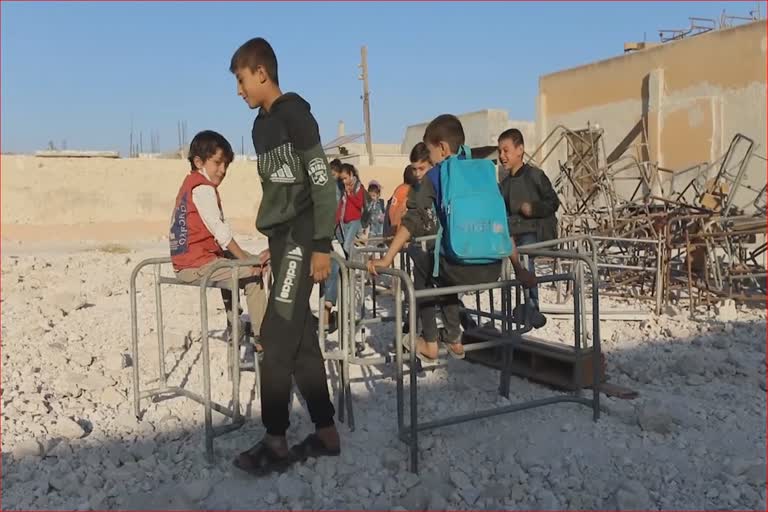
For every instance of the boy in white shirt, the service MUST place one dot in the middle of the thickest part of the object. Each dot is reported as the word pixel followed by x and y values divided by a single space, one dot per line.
pixel 199 235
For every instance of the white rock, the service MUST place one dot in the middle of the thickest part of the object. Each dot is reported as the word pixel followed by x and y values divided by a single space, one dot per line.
pixel 112 397
pixel 126 422
pixel 548 501
pixel 96 382
pixel 391 460
pixel 654 417
pixel 496 491
pixel 67 301
pixel 60 449
pixel 143 449
pixel 116 361
pixel 375 486
pixel 290 487
pixel 94 481
pixel 81 358
pixel 408 480
pixel 689 364
pixel 417 498
pixel 67 428
pixel 460 479
pixel 469 495
pixel 726 310
pixel 28 448
pixel 436 502
pixel 164 498
pixel 755 475
pixel 622 409
pixel 198 490
pixel 632 495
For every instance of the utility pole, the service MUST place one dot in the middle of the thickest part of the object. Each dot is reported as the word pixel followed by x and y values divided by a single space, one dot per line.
pixel 366 103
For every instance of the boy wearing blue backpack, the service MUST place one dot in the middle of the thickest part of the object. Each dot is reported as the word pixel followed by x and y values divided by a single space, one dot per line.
pixel 458 200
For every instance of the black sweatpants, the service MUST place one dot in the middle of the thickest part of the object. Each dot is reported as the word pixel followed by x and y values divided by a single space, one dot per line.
pixel 289 335
pixel 450 274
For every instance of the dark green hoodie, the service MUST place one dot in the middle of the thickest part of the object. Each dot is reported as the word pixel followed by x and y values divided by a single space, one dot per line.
pixel 293 170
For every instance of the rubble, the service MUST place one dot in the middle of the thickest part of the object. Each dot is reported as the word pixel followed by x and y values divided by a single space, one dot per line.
pixel 74 441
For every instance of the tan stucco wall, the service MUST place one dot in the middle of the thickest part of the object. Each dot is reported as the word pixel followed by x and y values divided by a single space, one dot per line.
pixel 678 104
pixel 481 128
pixel 120 199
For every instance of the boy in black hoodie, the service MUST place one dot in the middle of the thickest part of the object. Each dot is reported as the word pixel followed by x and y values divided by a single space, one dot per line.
pixel 297 214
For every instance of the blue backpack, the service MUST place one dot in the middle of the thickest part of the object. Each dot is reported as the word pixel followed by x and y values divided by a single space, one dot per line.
pixel 473 219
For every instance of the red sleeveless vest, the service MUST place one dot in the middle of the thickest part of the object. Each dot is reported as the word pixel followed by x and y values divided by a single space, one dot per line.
pixel 192 245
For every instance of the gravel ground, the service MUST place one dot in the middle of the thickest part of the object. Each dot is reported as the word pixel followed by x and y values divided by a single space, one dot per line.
pixel 694 438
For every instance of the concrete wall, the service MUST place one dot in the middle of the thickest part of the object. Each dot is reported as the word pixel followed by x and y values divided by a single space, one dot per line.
pixel 395 160
pixel 480 129
pixel 121 199
pixel 677 104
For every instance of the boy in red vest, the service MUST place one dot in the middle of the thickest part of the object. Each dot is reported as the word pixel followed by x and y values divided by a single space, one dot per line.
pixel 200 237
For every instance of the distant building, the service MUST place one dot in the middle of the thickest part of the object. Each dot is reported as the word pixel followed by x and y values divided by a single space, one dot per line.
pixel 481 129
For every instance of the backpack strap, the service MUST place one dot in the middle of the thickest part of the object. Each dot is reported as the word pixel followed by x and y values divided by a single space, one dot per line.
pixel 438 243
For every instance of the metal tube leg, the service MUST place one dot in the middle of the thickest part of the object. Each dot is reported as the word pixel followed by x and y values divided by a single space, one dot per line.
pixel 236 334
pixel 160 333
pixel 206 373
pixel 135 347
pixel 257 372
pixel 504 376
pixel 349 302
pixel 342 322
pixel 399 354
pixel 373 295
pixel 577 326
pixel 596 350
pixel 414 369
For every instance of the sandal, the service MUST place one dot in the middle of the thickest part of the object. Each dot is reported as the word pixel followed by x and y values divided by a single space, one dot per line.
pixel 456 350
pixel 261 460
pixel 313 447
pixel 419 355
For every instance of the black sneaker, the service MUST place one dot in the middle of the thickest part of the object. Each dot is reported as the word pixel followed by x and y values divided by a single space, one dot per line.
pixel 536 319
pixel 333 323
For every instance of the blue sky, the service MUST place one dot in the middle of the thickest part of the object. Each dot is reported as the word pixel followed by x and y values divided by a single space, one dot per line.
pixel 81 71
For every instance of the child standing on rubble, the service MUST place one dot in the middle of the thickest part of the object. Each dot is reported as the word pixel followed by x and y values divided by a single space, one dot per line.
pixel 297 214
pixel 443 137
pixel 531 204
pixel 200 237
pixel 377 209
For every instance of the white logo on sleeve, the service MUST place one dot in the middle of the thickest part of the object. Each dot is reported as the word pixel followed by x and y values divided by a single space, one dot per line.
pixel 318 172
pixel 282 175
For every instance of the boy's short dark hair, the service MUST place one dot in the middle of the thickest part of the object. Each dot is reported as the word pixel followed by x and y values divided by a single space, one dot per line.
pixel 419 153
pixel 335 164
pixel 513 134
pixel 445 128
pixel 254 53
pixel 206 143
pixel 409 174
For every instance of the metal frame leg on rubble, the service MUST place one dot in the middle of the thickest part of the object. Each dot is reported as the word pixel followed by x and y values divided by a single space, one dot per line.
pixel 342 354
pixel 233 411
pixel 409 433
